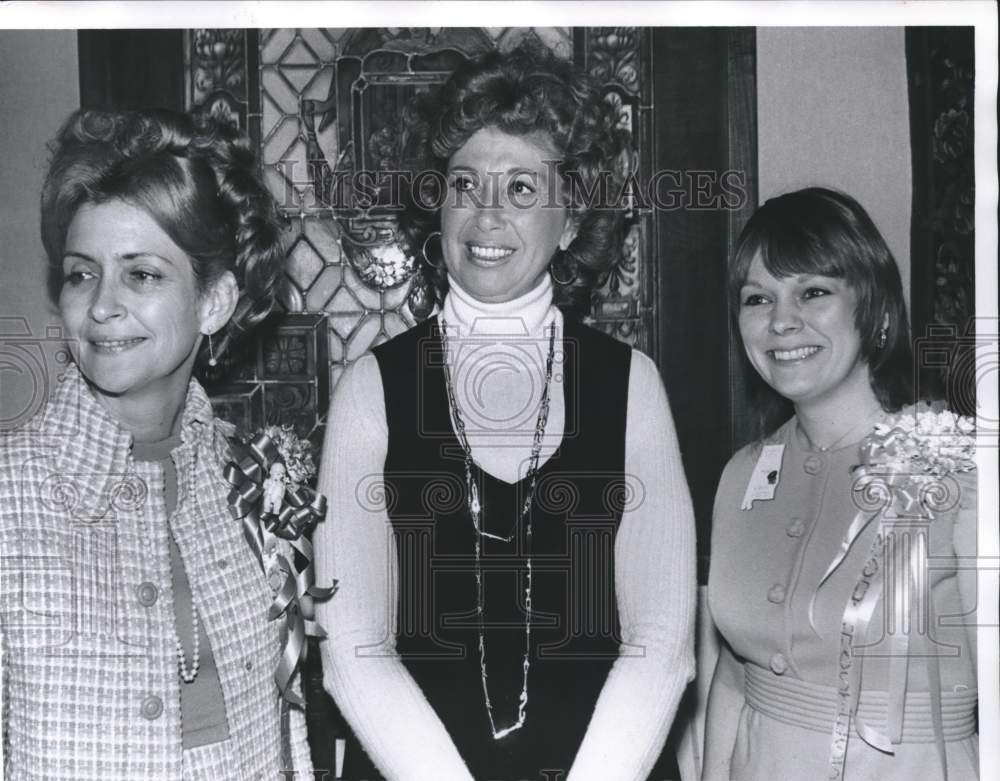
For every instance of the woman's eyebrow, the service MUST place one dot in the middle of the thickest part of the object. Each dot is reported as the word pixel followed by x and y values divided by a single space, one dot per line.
pixel 139 255
pixel 73 254
pixel 127 256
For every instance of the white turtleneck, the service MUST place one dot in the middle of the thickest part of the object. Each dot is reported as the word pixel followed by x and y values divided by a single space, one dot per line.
pixel 496 356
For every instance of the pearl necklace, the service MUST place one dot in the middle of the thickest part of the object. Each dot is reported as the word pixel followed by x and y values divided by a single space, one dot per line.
pixel 472 499
pixel 188 676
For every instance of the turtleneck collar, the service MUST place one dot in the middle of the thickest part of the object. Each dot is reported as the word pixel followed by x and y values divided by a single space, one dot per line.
pixel 526 315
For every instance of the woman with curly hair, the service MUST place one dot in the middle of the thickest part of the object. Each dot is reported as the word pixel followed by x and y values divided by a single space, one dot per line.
pixel 509 517
pixel 133 611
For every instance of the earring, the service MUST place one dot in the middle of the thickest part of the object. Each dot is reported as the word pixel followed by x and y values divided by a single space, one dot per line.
pixel 883 337
pixel 211 352
pixel 570 264
pixel 423 249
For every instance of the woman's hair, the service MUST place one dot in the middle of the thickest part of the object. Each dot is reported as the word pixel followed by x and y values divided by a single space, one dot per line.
pixel 195 176
pixel 528 91
pixel 821 231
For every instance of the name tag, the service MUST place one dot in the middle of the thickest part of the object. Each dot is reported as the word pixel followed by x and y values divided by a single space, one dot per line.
pixel 765 475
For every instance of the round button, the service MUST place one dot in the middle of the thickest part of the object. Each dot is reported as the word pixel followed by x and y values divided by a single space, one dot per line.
pixel 152 707
pixel 796 528
pixel 779 664
pixel 222 563
pixel 147 593
pixel 813 465
pixel 776 594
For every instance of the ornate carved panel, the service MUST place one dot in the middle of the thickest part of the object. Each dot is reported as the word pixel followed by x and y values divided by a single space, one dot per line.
pixel 941 69
pixel 619 57
pixel 278 377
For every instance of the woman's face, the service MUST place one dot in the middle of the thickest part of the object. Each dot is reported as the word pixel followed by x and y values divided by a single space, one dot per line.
pixel 130 303
pixel 504 216
pixel 800 334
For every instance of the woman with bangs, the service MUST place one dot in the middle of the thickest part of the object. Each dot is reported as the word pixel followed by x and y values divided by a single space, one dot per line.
pixel 510 523
pixel 847 624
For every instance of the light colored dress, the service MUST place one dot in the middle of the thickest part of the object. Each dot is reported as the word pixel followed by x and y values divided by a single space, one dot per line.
pixel 768 568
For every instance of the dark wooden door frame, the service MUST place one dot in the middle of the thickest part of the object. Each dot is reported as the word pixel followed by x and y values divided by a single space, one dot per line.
pixel 131 69
pixel 704 92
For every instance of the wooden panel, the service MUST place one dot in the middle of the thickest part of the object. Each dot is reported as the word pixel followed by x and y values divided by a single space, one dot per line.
pixel 131 69
pixel 705 138
pixel 940 68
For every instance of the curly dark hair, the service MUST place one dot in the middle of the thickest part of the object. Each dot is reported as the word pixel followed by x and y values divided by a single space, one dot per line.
pixel 822 231
pixel 528 91
pixel 194 175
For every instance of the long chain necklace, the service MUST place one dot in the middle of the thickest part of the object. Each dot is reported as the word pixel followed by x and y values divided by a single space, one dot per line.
pixel 475 509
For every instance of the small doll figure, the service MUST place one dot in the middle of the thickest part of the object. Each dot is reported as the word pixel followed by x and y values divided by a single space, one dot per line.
pixel 274 488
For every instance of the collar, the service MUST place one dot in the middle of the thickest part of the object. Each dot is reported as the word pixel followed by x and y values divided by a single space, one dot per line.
pixel 92 452
pixel 527 315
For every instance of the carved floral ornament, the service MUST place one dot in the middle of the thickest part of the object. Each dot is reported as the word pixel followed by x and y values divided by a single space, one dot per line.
pixel 614 56
pixel 218 72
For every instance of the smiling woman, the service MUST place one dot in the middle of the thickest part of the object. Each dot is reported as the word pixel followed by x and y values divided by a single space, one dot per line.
pixel 510 522
pixel 133 311
pixel 115 521
pixel 500 226
pixel 825 527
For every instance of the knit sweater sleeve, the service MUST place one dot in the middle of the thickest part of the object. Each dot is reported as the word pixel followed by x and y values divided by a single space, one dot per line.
pixel 655 584
pixel 361 669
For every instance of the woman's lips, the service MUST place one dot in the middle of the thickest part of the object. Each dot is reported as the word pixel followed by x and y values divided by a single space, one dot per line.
pixel 112 346
pixel 796 354
pixel 487 252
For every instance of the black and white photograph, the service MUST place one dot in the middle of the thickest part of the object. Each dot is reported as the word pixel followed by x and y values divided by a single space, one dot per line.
pixel 524 392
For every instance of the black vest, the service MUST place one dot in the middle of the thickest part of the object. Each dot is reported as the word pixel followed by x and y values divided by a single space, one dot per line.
pixel 575 514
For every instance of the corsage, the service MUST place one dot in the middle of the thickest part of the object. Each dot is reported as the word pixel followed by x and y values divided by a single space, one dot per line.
pixel 270 495
pixel 905 478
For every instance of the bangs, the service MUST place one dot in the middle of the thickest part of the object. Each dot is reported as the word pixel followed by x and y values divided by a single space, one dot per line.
pixel 792 252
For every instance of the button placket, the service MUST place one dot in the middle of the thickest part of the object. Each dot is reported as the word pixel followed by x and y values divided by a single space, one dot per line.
pixel 801 531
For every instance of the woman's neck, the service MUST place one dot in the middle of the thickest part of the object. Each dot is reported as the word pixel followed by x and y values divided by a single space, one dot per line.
pixel 147 416
pixel 526 315
pixel 843 418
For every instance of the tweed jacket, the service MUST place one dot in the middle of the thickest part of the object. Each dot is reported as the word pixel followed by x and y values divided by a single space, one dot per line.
pixel 91 686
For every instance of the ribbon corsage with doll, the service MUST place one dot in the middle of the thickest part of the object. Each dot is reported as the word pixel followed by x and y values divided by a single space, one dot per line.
pixel 271 496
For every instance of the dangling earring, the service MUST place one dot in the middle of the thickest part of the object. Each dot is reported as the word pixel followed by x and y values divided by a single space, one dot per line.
pixel 420 299
pixel 883 337
pixel 423 250
pixel 211 352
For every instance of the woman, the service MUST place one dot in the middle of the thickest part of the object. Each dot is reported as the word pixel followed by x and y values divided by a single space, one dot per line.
pixel 837 533
pixel 510 521
pixel 134 613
